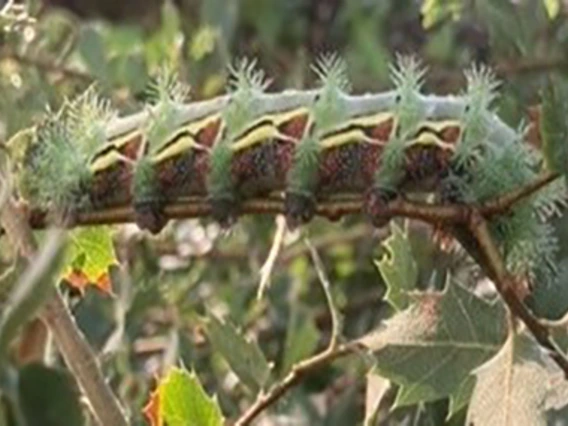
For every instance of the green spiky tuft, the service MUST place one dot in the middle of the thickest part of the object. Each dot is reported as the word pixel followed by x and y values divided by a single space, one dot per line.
pixel 328 110
pixel 246 83
pixel 56 174
pixel 408 76
pixel 527 241
pixel 87 117
pixel 165 94
pixel 482 88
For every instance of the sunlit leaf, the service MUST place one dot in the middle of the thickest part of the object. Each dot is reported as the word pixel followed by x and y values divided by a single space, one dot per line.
pixel 398 267
pixel 377 388
pixel 243 356
pixel 434 11
pixel 430 348
pixel 89 255
pixel 552 8
pixel 180 400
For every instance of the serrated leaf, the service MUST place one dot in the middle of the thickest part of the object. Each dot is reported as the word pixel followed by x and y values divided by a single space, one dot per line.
pixel 398 267
pixel 430 348
pixel 89 255
pixel 180 400
pixel 513 387
pixel 48 397
pixel 243 356
pixel 377 388
pixel 553 126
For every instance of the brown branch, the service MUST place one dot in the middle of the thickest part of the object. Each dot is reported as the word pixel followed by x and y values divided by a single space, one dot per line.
pixel 494 266
pixel 297 373
pixel 76 351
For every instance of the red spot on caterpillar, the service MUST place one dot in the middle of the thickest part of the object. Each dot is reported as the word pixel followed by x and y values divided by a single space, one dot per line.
pixel 451 134
pixel 295 127
pixel 131 149
pixel 382 131
pixel 208 134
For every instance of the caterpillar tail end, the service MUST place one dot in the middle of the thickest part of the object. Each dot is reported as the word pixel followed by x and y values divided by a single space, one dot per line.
pixel 299 209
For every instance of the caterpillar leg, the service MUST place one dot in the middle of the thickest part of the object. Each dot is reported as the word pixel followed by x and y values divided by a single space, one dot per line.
pixel 299 209
pixel 224 210
pixel 149 215
pixel 376 200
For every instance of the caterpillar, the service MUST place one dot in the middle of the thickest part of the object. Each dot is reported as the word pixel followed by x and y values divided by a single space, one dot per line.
pixel 299 146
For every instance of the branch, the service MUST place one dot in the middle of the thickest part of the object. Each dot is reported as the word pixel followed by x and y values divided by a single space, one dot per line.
pixel 495 268
pixel 297 373
pixel 76 351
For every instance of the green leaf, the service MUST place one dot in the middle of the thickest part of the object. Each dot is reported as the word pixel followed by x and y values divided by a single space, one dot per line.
pixel 184 402
pixel 89 255
pixel 461 397
pixel 517 386
pixel 554 127
pixel 301 341
pixel 430 348
pixel 552 8
pixel 243 356
pixel 398 267
pixel 48 397
pixel 92 49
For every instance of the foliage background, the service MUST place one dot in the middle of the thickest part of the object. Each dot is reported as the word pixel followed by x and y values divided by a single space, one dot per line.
pixel 167 283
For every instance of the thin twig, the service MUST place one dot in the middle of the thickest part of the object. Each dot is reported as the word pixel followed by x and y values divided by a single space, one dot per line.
pixel 336 320
pixel 495 268
pixel 296 374
pixel 503 204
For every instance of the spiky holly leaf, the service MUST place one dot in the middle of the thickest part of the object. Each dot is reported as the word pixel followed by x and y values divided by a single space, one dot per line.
pixel 553 126
pixel 180 400
pixel 430 348
pixel 398 267
pixel 243 356
pixel 517 386
pixel 89 255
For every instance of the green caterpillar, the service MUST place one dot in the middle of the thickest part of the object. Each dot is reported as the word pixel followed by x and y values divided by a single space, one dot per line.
pixel 297 146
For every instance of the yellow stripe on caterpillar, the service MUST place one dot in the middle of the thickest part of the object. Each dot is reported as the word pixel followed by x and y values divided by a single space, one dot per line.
pixel 110 153
pixel 265 128
pixel 353 130
pixel 110 158
pixel 184 138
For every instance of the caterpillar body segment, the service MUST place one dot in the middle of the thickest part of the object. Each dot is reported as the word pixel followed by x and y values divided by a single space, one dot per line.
pixel 176 169
pixel 326 112
pixel 112 170
pixel 427 159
